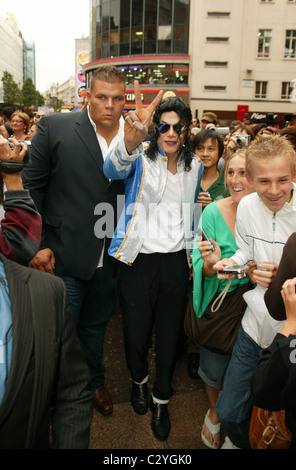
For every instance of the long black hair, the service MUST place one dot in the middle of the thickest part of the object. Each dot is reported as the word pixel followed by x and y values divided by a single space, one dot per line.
pixel 177 104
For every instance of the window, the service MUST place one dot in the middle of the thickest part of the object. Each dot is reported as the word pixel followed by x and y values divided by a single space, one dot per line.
pixel 217 39
pixel 218 14
pixel 132 27
pixel 181 36
pixel 215 64
pixel 261 90
pixel 286 90
pixel 150 32
pixel 165 12
pixel 156 74
pixel 215 88
pixel 124 32
pixel 290 44
pixel 264 39
pixel 181 27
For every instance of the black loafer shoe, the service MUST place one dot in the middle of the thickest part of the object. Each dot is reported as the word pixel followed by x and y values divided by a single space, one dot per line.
pixel 160 423
pixel 139 398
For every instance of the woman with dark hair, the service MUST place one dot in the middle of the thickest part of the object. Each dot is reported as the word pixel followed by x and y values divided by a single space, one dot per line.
pixel 174 104
pixel 153 241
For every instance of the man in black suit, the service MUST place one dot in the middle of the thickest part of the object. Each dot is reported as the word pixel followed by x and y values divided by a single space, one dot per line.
pixel 67 182
pixel 43 373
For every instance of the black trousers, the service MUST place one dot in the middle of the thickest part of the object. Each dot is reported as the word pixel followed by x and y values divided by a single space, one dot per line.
pixel 154 292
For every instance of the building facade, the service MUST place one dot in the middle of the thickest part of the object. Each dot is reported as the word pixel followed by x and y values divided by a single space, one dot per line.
pixel 243 58
pixel 82 57
pixel 226 56
pixel 147 40
pixel 29 61
pixel 66 92
pixel 11 50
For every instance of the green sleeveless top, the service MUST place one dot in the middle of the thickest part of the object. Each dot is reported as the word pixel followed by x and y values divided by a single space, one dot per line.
pixel 204 288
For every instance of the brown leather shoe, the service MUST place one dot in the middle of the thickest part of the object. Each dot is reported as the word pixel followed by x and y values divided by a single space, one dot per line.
pixel 102 401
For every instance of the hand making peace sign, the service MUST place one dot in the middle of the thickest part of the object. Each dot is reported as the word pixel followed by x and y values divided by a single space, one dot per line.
pixel 137 122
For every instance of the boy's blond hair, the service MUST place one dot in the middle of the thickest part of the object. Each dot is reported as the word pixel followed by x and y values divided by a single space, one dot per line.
pixel 267 148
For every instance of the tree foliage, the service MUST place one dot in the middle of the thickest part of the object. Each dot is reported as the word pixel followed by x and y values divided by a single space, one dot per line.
pixel 26 97
pixel 28 93
pixel 11 91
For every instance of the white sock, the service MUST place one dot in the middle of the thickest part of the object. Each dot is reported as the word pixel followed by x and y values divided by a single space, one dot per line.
pixel 143 381
pixel 157 400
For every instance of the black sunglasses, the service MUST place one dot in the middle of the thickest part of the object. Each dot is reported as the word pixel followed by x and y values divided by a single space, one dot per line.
pixel 164 127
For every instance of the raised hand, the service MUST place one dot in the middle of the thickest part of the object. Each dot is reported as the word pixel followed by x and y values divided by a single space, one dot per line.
pixel 137 122
pixel 220 265
pixel 16 155
pixel 210 252
pixel 288 293
pixel 265 273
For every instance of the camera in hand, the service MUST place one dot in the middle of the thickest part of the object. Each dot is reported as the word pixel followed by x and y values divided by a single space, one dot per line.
pixel 239 271
pixel 15 167
pixel 243 140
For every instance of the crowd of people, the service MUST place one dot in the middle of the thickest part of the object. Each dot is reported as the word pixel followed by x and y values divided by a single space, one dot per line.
pixel 19 123
pixel 66 258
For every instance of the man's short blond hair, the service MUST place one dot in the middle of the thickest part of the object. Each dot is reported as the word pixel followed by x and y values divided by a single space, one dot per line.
pixel 107 73
pixel 267 148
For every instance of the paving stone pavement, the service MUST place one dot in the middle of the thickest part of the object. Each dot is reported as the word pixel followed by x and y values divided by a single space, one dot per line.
pixel 124 429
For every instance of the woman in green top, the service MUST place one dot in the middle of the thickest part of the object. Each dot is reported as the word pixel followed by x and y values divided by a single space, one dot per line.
pixel 208 145
pixel 218 222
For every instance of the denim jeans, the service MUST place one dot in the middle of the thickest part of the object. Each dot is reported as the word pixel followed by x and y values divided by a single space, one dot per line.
pixel 212 367
pixel 92 303
pixel 234 405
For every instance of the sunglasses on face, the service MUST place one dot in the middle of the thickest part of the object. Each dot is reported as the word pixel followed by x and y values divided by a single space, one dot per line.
pixel 164 127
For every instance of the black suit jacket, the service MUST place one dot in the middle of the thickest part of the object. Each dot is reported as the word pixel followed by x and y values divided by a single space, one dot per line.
pixel 66 182
pixel 66 392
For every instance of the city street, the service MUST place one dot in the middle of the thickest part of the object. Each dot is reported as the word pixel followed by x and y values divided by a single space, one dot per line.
pixel 127 430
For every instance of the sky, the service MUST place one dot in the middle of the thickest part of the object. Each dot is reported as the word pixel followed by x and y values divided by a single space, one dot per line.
pixel 53 26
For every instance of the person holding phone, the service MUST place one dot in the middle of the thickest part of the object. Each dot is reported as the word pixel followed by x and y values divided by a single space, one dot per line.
pixel 218 222
pixel 209 146
pixel 21 224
